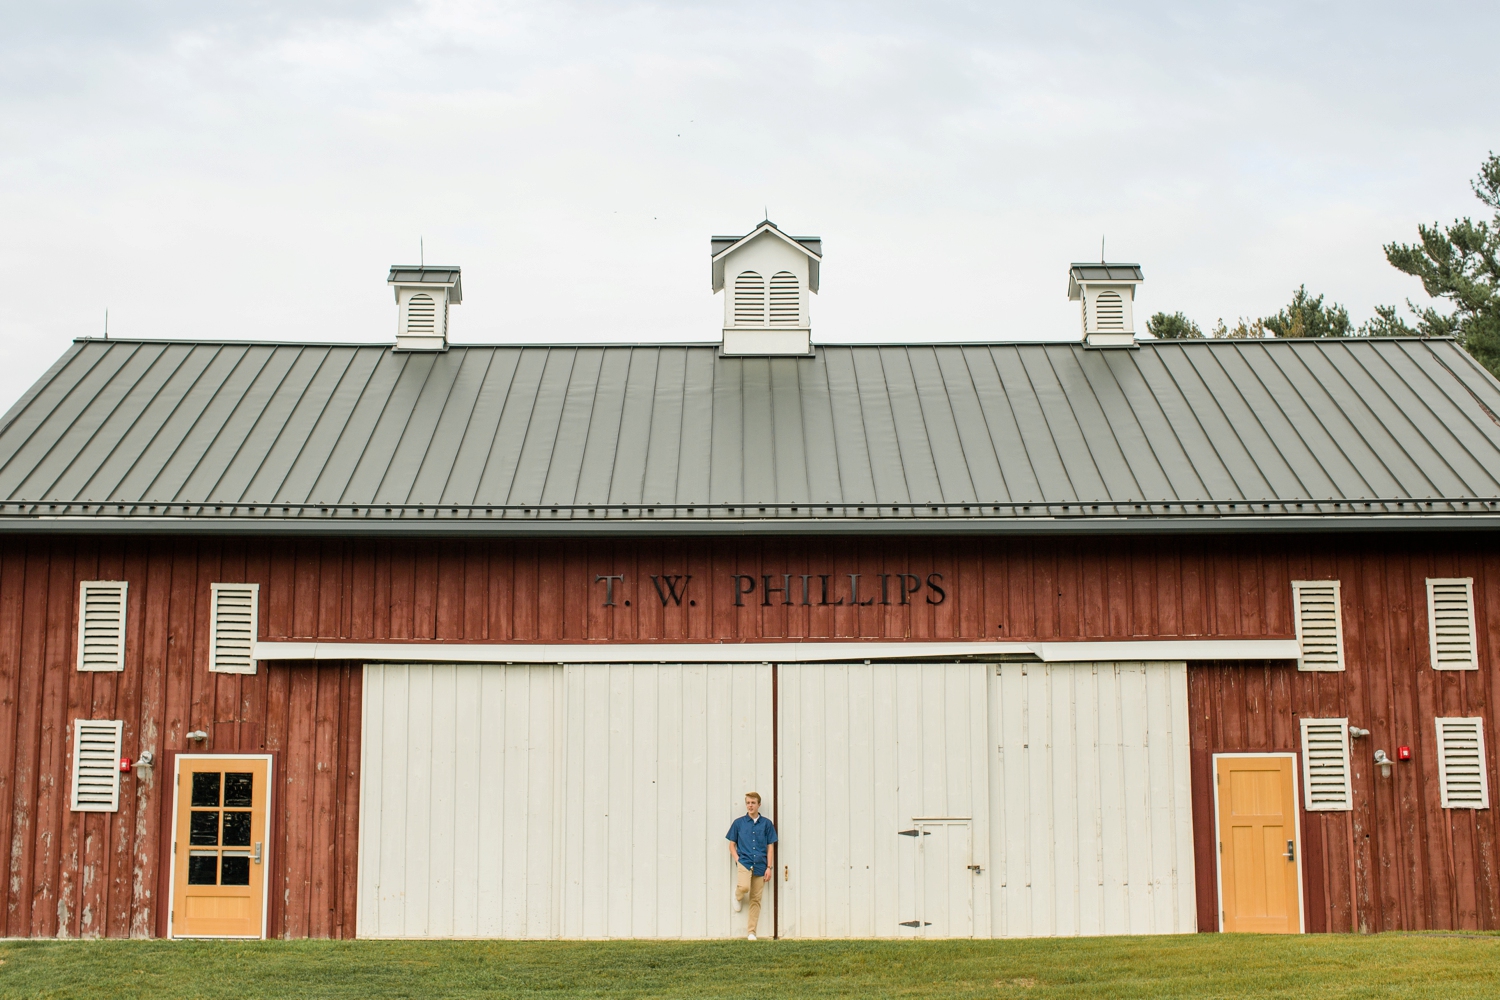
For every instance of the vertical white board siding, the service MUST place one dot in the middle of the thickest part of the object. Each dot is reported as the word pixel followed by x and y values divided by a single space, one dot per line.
pixel 657 762
pixel 1092 822
pixel 865 751
pixel 458 799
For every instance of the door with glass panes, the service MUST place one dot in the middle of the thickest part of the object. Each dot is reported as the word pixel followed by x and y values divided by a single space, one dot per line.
pixel 219 845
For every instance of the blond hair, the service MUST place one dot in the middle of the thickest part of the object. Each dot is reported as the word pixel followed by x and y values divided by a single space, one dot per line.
pixel 753 795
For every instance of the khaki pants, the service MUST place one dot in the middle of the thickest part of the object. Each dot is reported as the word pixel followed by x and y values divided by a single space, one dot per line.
pixel 746 884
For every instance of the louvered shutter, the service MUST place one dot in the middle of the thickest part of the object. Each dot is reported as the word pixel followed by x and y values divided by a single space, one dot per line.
pixel 96 765
pixel 421 315
pixel 1463 774
pixel 786 305
pixel 749 299
pixel 101 625
pixel 1320 624
pixel 1326 785
pixel 1109 311
pixel 235 607
pixel 1450 624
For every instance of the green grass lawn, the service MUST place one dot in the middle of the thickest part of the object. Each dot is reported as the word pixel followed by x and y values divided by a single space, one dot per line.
pixel 1207 965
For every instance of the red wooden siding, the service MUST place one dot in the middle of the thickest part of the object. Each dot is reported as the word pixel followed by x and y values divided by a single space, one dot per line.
pixel 1397 862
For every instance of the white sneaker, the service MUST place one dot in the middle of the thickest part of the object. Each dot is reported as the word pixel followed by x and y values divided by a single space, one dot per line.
pixel 750 938
pixel 737 903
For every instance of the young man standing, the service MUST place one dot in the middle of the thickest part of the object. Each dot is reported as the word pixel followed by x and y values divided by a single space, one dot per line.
pixel 752 845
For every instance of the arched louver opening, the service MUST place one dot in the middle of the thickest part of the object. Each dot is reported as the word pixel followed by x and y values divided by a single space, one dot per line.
pixel 1109 311
pixel 785 299
pixel 749 299
pixel 421 314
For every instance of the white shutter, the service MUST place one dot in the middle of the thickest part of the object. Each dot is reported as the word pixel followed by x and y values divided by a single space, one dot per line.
pixel 1450 624
pixel 1326 785
pixel 233 628
pixel 96 765
pixel 101 625
pixel 1320 624
pixel 786 299
pixel 1463 777
pixel 749 299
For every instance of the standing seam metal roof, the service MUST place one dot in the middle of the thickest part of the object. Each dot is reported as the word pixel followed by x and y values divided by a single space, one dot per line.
pixel 1375 428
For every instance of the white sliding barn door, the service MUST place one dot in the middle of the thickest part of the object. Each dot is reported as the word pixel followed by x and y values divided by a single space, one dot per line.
pixel 659 758
pixel 458 806
pixel 867 751
pixel 546 801
pixel 1092 828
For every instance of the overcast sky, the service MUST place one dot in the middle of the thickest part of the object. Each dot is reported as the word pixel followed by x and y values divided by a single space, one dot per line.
pixel 250 170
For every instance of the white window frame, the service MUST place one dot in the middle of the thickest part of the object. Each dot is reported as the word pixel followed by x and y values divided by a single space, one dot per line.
pixel 1338 621
pixel 97 727
pixel 1307 763
pixel 1484 763
pixel 213 626
pixel 1432 638
pixel 84 589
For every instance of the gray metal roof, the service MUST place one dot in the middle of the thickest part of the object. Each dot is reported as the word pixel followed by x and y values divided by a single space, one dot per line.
pixel 1216 435
pixel 421 274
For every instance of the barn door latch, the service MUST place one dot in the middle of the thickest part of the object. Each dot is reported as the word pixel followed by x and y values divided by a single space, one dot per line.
pixel 976 869
pixel 1291 850
pixel 913 833
pixel 916 923
pixel 257 851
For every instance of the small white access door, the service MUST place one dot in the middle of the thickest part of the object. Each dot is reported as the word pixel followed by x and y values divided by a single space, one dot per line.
pixel 943 880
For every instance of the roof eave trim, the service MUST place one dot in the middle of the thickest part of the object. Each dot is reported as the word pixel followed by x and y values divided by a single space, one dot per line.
pixel 648 527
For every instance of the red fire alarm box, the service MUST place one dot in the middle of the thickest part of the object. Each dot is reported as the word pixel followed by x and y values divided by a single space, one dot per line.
pixel 124 763
pixel 1403 753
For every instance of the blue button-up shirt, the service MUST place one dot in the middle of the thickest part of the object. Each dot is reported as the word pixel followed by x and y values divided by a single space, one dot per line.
pixel 751 837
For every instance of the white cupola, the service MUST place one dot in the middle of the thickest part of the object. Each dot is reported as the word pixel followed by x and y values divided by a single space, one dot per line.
pixel 423 295
pixel 1107 292
pixel 766 278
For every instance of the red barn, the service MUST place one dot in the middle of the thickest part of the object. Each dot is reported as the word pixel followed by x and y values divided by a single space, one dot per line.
pixel 1014 639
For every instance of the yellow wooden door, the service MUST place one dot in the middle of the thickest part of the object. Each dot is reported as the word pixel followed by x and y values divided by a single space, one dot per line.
pixel 1258 850
pixel 219 856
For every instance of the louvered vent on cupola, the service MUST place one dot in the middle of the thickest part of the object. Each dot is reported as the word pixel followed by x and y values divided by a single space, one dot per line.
pixel 1326 784
pixel 1463 771
pixel 786 299
pixel 1450 624
pixel 96 764
pixel 421 315
pixel 101 624
pixel 1111 310
pixel 749 299
pixel 234 615
pixel 1320 626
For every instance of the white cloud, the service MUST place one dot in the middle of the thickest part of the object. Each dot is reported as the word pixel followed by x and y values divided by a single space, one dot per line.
pixel 248 171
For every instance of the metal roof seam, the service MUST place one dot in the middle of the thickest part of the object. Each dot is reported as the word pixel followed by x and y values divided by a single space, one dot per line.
pixel 161 427
pixel 388 366
pixel 243 403
pixel 1291 425
pixel 1161 422
pixel 45 418
pixel 20 405
pixel 1386 425
pixel 1260 421
pixel 228 412
pixel 1039 397
pixel 92 435
pixel 1425 401
pixel 495 441
pixel 1227 422
pixel 108 444
pixel 962 360
pixel 301 447
pixel 1314 397
pixel 1117 427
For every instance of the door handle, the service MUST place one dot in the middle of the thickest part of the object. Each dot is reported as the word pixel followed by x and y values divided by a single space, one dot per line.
pixel 257 852
pixel 1291 850
pixel 977 869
